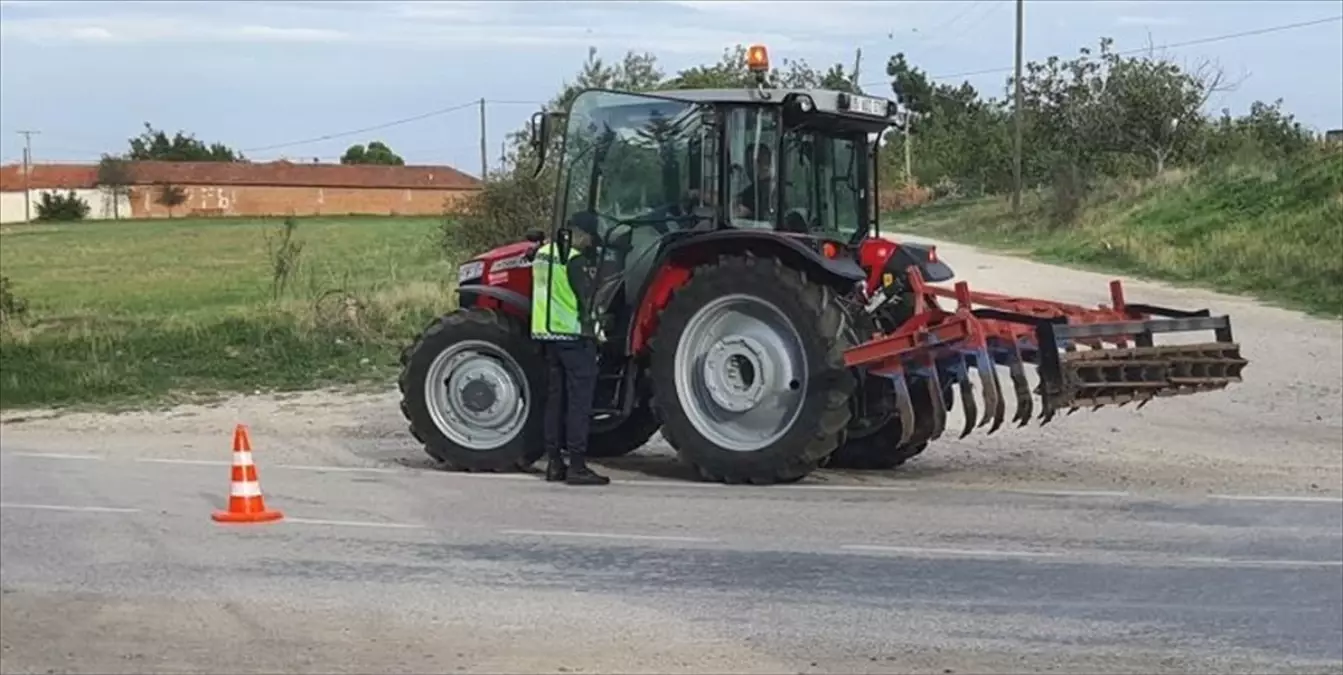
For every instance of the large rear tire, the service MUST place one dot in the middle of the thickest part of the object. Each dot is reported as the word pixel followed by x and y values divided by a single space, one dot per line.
pixel 470 388
pixel 748 371
pixel 879 449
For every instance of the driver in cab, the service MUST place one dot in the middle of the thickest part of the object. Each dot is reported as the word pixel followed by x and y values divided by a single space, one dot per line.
pixel 562 282
pixel 756 201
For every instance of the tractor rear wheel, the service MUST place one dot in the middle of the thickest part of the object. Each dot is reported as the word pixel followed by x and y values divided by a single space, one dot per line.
pixel 470 385
pixel 879 449
pixel 748 371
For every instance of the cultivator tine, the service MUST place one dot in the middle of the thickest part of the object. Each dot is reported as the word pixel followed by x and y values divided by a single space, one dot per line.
pixel 1022 388
pixel 1047 414
pixel 939 404
pixel 993 392
pixel 967 397
pixel 904 406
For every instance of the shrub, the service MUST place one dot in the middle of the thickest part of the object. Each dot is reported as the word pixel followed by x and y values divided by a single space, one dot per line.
pixel 506 207
pixel 11 306
pixel 57 207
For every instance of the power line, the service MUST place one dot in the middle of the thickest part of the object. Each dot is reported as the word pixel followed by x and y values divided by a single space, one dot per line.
pixel 385 125
pixel 376 127
pixel 1200 41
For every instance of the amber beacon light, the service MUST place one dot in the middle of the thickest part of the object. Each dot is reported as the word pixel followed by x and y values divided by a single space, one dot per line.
pixel 757 59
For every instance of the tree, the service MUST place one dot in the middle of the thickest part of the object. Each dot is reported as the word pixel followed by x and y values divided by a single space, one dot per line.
pixel 376 152
pixel 1265 132
pixel 156 145
pixel 958 138
pixel 114 175
pixel 1154 105
pixel 170 197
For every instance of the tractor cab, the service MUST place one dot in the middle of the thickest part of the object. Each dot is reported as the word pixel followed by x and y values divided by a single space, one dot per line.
pixel 647 173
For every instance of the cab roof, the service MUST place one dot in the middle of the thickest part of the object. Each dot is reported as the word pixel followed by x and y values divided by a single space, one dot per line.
pixel 827 101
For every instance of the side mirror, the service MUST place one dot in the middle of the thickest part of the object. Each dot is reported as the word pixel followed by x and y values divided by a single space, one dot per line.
pixel 540 128
pixel 536 129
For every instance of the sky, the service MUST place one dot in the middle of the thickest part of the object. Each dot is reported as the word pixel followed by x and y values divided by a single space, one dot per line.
pixel 260 74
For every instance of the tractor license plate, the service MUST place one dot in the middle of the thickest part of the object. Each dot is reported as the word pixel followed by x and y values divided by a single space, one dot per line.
pixel 469 271
pixel 868 106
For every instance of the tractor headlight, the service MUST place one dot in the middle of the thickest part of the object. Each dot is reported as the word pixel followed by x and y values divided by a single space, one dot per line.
pixel 472 270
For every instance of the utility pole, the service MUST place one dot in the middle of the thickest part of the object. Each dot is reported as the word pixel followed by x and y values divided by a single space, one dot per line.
pixel 857 67
pixel 908 171
pixel 484 153
pixel 1016 116
pixel 27 172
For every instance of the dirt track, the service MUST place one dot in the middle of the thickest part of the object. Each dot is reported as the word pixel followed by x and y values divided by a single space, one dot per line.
pixel 1279 432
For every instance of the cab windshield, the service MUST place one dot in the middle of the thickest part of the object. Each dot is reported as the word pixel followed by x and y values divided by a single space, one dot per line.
pixel 631 158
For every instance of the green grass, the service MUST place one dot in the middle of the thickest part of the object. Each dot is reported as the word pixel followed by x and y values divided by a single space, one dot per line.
pixel 137 311
pixel 1273 230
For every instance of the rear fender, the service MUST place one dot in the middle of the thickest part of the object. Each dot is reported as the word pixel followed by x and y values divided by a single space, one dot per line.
pixel 680 257
pixel 879 256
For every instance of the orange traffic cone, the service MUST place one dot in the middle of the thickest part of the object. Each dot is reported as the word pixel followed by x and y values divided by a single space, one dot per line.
pixel 245 504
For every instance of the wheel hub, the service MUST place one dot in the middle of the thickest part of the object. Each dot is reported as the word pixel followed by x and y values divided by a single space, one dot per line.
pixel 478 389
pixel 736 373
pixel 741 372
pixel 477 395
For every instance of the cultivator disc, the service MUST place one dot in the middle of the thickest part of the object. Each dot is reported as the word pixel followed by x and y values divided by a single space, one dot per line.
pixel 1082 357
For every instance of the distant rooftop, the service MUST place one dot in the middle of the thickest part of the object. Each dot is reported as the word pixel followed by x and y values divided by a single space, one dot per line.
pixel 278 174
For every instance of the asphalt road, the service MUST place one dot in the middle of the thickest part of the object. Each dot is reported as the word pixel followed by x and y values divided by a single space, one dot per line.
pixel 112 564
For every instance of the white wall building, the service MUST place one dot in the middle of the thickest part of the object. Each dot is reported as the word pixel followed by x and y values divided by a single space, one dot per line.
pixel 98 199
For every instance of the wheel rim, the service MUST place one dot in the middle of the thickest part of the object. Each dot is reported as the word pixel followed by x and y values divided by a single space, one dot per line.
pixel 477 395
pixel 741 372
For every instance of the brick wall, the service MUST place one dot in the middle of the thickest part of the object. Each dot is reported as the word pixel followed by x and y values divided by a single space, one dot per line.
pixel 249 200
pixel 263 189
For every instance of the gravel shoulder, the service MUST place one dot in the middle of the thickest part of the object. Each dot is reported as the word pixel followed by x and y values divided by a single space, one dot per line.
pixel 1279 432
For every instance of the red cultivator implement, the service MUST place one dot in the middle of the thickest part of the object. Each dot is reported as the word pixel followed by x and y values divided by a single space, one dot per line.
pixel 1083 357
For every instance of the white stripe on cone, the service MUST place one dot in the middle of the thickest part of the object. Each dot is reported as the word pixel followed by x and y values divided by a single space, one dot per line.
pixel 245 489
pixel 242 458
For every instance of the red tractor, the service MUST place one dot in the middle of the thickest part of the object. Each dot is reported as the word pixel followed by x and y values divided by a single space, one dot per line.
pixel 748 309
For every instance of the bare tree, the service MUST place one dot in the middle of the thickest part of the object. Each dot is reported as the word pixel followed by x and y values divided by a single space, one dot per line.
pixel 114 176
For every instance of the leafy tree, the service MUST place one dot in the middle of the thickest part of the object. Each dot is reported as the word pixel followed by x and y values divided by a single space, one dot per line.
pixel 376 152
pixel 956 137
pixel 154 144
pixel 170 197
pixel 1265 132
pixel 114 174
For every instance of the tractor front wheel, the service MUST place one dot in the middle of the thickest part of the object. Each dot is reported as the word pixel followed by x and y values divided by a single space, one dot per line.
pixel 470 386
pixel 748 371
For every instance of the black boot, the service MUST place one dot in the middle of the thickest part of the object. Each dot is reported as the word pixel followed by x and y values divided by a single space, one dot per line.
pixel 580 474
pixel 556 471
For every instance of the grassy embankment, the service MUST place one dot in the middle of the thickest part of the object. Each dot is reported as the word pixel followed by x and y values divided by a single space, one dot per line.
pixel 1273 230
pixel 169 310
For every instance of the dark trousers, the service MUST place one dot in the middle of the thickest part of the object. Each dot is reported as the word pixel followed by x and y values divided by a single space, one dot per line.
pixel 572 382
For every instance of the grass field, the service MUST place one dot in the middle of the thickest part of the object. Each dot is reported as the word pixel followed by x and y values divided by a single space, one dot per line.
pixel 121 313
pixel 1273 230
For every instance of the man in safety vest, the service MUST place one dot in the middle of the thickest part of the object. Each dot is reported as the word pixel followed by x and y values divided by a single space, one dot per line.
pixel 561 320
